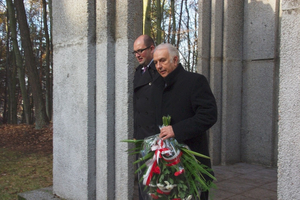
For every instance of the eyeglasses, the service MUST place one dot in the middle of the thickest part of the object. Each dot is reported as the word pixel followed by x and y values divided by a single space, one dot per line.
pixel 140 51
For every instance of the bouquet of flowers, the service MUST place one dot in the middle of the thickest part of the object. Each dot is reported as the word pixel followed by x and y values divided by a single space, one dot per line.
pixel 168 170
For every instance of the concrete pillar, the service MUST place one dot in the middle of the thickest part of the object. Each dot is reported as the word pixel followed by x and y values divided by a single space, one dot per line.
pixel 216 62
pixel 74 127
pixel 128 27
pixel 220 60
pixel 289 103
pixel 260 85
pixel 232 80
pixel 93 72
pixel 203 67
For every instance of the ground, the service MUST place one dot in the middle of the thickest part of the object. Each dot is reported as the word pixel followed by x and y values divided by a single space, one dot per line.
pixel 25 159
pixel 25 138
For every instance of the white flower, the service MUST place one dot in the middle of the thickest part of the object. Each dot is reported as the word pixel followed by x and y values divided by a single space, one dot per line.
pixel 170 187
pixel 160 186
pixel 166 188
pixel 151 185
pixel 167 183
pixel 189 197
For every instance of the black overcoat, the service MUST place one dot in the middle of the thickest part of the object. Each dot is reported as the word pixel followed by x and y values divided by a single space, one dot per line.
pixel 144 110
pixel 188 99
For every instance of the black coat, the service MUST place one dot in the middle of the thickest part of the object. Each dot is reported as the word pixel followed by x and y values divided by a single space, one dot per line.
pixel 144 110
pixel 188 99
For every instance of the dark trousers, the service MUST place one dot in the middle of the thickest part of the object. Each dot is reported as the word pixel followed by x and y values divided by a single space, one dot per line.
pixel 204 195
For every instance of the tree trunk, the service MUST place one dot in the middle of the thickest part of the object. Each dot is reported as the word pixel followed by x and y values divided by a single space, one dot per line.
pixel 174 22
pixel 195 46
pixel 146 16
pixel 158 25
pixel 188 66
pixel 21 71
pixel 11 80
pixel 47 67
pixel 40 112
pixel 51 56
pixel 12 93
pixel 163 34
pixel 179 25
pixel 169 28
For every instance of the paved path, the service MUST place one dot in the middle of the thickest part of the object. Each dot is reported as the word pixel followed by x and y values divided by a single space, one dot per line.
pixel 235 182
pixel 243 182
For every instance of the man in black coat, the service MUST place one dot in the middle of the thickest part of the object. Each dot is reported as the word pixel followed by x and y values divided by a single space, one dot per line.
pixel 144 109
pixel 188 99
pixel 145 74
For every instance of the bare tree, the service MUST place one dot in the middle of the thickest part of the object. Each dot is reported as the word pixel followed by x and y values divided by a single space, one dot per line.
pixel 187 64
pixel 41 118
pixel 11 82
pixel 179 24
pixel 48 95
pixel 146 16
pixel 174 22
pixel 158 21
pixel 19 62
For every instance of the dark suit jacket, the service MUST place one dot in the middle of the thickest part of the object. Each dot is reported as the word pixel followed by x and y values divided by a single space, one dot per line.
pixel 144 110
pixel 188 99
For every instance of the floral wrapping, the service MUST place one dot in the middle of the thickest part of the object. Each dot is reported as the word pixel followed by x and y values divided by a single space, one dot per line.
pixel 168 170
pixel 163 176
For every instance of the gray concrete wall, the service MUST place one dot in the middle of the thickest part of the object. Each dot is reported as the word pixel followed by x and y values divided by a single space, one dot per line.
pixel 260 74
pixel 238 52
pixel 93 72
pixel 289 103
pixel 220 60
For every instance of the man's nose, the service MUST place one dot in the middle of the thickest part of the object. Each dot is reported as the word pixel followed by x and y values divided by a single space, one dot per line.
pixel 158 66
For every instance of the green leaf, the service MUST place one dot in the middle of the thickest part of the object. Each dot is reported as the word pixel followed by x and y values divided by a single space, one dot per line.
pixel 194 153
pixel 145 158
pixel 171 181
pixel 133 141
pixel 166 120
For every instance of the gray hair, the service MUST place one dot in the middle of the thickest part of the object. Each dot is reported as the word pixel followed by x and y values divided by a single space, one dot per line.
pixel 171 49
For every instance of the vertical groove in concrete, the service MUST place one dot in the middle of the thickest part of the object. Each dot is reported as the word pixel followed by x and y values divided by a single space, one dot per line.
pixel 91 126
pixel 276 85
pixel 111 99
pixel 105 139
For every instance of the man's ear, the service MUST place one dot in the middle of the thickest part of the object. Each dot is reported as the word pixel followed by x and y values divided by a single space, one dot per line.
pixel 175 60
pixel 152 47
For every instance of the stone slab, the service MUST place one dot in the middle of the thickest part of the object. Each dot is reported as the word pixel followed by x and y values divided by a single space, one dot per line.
pixel 40 194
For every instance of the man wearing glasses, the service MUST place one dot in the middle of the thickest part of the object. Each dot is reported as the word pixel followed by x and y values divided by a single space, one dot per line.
pixel 145 74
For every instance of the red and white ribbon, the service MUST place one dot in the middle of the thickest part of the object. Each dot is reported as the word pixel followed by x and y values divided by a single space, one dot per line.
pixel 152 164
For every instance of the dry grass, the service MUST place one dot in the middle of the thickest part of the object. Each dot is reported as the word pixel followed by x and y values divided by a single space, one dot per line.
pixel 24 164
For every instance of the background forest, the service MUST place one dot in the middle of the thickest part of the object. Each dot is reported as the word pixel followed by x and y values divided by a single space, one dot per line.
pixel 26 65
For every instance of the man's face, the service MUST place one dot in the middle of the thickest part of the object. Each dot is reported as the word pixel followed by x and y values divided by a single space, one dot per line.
pixel 163 63
pixel 142 53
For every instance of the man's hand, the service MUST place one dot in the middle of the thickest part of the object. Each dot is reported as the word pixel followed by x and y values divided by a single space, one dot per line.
pixel 166 132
